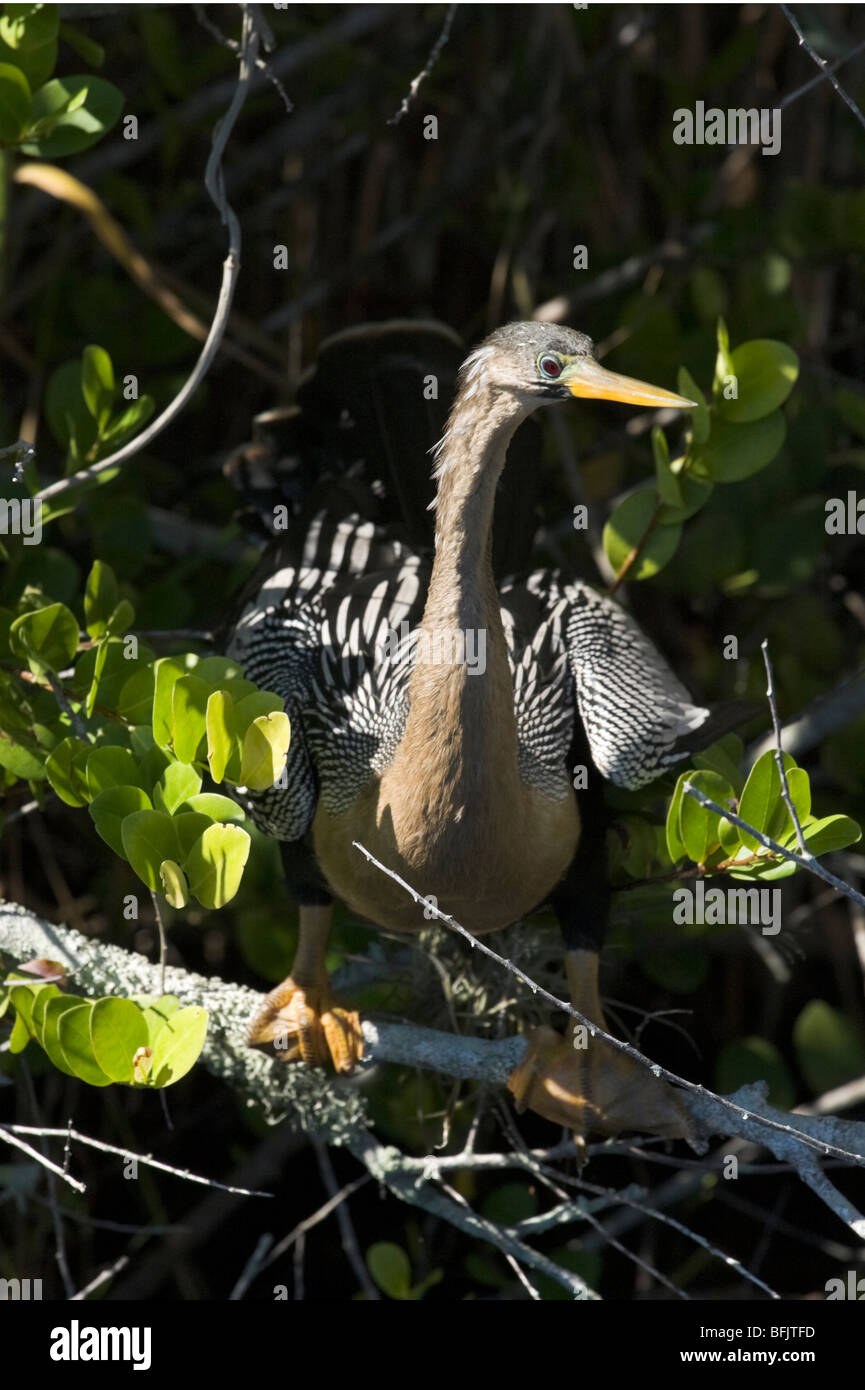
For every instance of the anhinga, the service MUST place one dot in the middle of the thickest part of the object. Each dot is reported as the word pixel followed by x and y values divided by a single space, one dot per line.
pixel 455 774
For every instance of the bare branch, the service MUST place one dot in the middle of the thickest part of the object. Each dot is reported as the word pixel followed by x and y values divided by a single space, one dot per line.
pixel 779 747
pixel 427 68
pixel 333 1108
pixel 145 1159
pixel 826 70
pixel 214 182
pixel 10 1137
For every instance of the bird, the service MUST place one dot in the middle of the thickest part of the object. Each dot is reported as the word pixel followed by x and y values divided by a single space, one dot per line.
pixel 441 695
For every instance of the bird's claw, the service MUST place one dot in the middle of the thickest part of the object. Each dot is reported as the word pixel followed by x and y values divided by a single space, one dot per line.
pixel 595 1089
pixel 306 1022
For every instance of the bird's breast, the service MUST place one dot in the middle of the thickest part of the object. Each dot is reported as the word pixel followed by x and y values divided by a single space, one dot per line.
pixel 486 863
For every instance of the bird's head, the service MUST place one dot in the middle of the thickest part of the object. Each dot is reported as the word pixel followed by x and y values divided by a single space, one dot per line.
pixel 541 362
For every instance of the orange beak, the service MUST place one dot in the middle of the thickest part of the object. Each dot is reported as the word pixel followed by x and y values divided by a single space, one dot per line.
pixel 583 376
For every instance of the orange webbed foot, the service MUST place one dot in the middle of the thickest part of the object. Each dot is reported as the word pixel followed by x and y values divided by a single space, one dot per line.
pixel 307 1022
pixel 595 1089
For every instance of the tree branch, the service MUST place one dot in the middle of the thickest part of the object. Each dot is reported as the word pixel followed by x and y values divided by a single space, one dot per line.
pixel 215 184
pixel 334 1110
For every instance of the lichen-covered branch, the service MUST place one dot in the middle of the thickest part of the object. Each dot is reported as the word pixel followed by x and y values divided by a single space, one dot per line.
pixel 334 1109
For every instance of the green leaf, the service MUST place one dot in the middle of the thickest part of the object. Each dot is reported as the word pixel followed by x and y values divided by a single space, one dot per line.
pixel 189 826
pixel 695 493
pixel 265 747
pixel 116 667
pixel 167 671
pixel 760 797
pixel 135 700
pixel 216 670
pixel 54 1011
pixel 73 1036
pixel 129 423
pixel 766 373
pixel 220 733
pixel 829 1049
pixel 148 837
pixel 178 782
pixel 217 807
pixel 252 706
pixel 826 835
pixel 214 865
pixel 97 384
pixel 177 1046
pixel 189 717
pixel 110 809
pixel 700 420
pixel 47 638
pixel 75 129
pixel 174 884
pixel 42 997
pixel 698 826
pixel 21 761
pixel 111 767
pixel 675 844
pixel 755 1059
pixel 389 1266
pixel 669 485
pixel 28 40
pixel 14 103
pixel 733 452
pixel 117 1031
pixel 631 845
pixel 799 786
pixel 156 1012
pixel 23 1000
pixel 122 618
pixel 65 410
pixel 626 528
pixel 66 770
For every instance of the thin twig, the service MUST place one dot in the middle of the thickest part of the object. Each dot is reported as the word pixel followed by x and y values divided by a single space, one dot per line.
pixel 214 183
pixel 349 1239
pixel 302 1227
pixel 53 1205
pixel 823 65
pixel 779 747
pixel 163 940
pixel 252 1268
pixel 103 1277
pixel 813 81
pixel 427 68
pixel 99 1144
pixel 9 1136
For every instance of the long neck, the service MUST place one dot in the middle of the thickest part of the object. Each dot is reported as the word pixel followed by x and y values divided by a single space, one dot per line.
pixel 460 738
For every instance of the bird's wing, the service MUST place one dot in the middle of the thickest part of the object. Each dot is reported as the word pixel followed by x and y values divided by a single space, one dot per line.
pixel 638 716
pixel 313 625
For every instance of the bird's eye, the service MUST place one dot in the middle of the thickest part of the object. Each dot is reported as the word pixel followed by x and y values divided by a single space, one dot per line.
pixel 550 367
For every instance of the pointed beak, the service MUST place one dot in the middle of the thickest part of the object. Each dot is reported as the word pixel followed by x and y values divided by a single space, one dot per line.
pixel 583 376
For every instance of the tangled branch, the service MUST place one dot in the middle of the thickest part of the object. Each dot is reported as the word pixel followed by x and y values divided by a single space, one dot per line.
pixel 333 1109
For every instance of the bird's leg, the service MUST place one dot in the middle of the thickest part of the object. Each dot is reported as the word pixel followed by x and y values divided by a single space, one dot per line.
pixel 301 1017
pixel 580 1081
